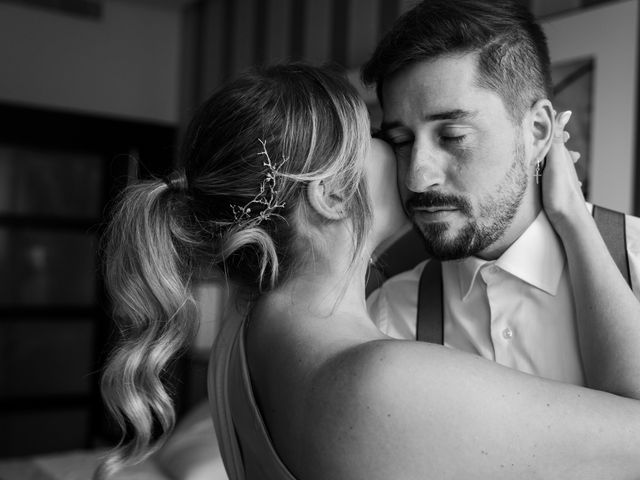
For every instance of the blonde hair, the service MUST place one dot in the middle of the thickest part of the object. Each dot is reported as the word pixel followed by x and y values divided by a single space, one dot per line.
pixel 163 234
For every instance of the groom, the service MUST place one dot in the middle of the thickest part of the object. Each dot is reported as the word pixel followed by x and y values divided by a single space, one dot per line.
pixel 465 88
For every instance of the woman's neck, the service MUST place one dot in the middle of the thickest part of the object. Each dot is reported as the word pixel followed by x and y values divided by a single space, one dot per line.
pixel 327 282
pixel 327 288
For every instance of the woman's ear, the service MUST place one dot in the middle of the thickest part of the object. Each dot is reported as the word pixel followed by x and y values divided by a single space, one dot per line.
pixel 325 201
pixel 541 122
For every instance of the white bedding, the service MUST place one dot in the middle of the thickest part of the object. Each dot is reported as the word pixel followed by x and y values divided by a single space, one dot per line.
pixel 76 465
pixel 191 453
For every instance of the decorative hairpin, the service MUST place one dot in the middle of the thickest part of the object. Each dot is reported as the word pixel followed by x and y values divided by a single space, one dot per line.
pixel 266 201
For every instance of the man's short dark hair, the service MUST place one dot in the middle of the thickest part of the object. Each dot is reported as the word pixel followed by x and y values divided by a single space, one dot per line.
pixel 513 57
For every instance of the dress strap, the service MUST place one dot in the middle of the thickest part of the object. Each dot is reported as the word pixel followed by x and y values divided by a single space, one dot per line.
pixel 245 444
pixel 219 402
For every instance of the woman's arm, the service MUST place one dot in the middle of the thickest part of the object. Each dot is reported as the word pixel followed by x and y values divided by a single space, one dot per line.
pixel 608 314
pixel 411 410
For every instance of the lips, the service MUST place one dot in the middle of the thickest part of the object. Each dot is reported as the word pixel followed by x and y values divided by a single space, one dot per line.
pixel 437 209
pixel 434 209
pixel 433 204
pixel 429 215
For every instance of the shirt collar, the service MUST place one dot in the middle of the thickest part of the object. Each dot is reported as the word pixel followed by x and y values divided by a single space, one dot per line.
pixel 468 270
pixel 536 257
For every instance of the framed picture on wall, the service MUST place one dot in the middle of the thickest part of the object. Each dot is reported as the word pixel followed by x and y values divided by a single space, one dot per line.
pixel 573 90
pixel 595 76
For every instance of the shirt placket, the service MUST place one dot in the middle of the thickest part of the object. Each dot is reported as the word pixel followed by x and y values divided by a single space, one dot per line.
pixel 502 329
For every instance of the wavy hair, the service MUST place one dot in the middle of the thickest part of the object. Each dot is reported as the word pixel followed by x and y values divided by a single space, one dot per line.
pixel 163 235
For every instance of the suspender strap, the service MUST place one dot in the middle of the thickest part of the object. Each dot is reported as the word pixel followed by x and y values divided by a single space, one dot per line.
pixel 430 321
pixel 612 226
pixel 403 254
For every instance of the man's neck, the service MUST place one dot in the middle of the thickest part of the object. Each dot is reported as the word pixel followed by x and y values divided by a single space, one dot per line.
pixel 525 216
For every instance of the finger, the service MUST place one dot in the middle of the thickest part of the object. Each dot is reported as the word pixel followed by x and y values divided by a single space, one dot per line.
pixel 559 135
pixel 565 136
pixel 564 117
pixel 575 156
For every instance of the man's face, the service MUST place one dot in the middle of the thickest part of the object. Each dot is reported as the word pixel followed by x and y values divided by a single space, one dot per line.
pixel 462 171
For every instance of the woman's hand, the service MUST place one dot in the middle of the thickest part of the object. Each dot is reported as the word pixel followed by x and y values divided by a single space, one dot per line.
pixel 561 193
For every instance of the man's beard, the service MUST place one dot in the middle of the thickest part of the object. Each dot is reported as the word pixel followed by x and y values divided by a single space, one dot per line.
pixel 497 210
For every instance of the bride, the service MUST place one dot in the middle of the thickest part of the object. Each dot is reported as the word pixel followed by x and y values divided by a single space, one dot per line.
pixel 283 190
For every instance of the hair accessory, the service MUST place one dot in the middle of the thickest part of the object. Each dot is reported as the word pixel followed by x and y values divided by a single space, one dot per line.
pixel 265 203
pixel 538 171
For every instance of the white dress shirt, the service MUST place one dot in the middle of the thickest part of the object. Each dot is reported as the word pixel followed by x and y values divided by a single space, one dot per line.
pixel 517 310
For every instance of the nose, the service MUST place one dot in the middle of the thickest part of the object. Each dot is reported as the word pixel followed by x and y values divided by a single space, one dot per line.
pixel 426 168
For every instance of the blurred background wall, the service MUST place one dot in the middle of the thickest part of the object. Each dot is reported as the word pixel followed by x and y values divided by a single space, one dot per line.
pixel 122 60
pixel 94 93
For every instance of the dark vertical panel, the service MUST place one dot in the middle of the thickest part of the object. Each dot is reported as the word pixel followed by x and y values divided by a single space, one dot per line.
pixel 104 324
pixel 339 52
pixel 318 31
pixel 243 34
pixel 260 28
pixel 389 11
pixel 110 139
pixel 362 30
pixel 298 25
pixel 636 183
pixel 213 51
pixel 191 58
pixel 227 35
pixel 279 30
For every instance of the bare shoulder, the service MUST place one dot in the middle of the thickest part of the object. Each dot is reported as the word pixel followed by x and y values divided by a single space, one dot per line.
pixel 361 404
pixel 397 409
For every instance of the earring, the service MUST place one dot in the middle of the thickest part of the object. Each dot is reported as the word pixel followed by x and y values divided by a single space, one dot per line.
pixel 538 171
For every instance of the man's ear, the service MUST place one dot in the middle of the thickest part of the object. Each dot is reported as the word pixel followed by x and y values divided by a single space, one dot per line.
pixel 541 122
pixel 325 201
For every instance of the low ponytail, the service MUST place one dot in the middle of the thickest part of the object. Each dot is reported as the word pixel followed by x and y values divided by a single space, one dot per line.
pixel 148 266
pixel 153 247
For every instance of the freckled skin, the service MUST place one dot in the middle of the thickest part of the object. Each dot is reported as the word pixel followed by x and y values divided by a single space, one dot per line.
pixel 480 158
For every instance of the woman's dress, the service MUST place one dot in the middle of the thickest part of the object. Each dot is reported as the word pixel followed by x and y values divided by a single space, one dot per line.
pixel 245 445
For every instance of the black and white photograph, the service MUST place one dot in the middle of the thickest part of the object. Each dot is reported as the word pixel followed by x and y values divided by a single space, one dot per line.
pixel 319 239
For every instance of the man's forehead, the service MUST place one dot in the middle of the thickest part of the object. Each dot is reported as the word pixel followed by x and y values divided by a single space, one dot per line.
pixel 442 88
pixel 426 109
pixel 440 71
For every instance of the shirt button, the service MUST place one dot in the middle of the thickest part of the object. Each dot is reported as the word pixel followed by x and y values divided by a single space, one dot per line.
pixel 507 333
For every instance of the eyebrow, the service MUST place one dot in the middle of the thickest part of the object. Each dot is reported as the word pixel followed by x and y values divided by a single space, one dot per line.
pixel 457 114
